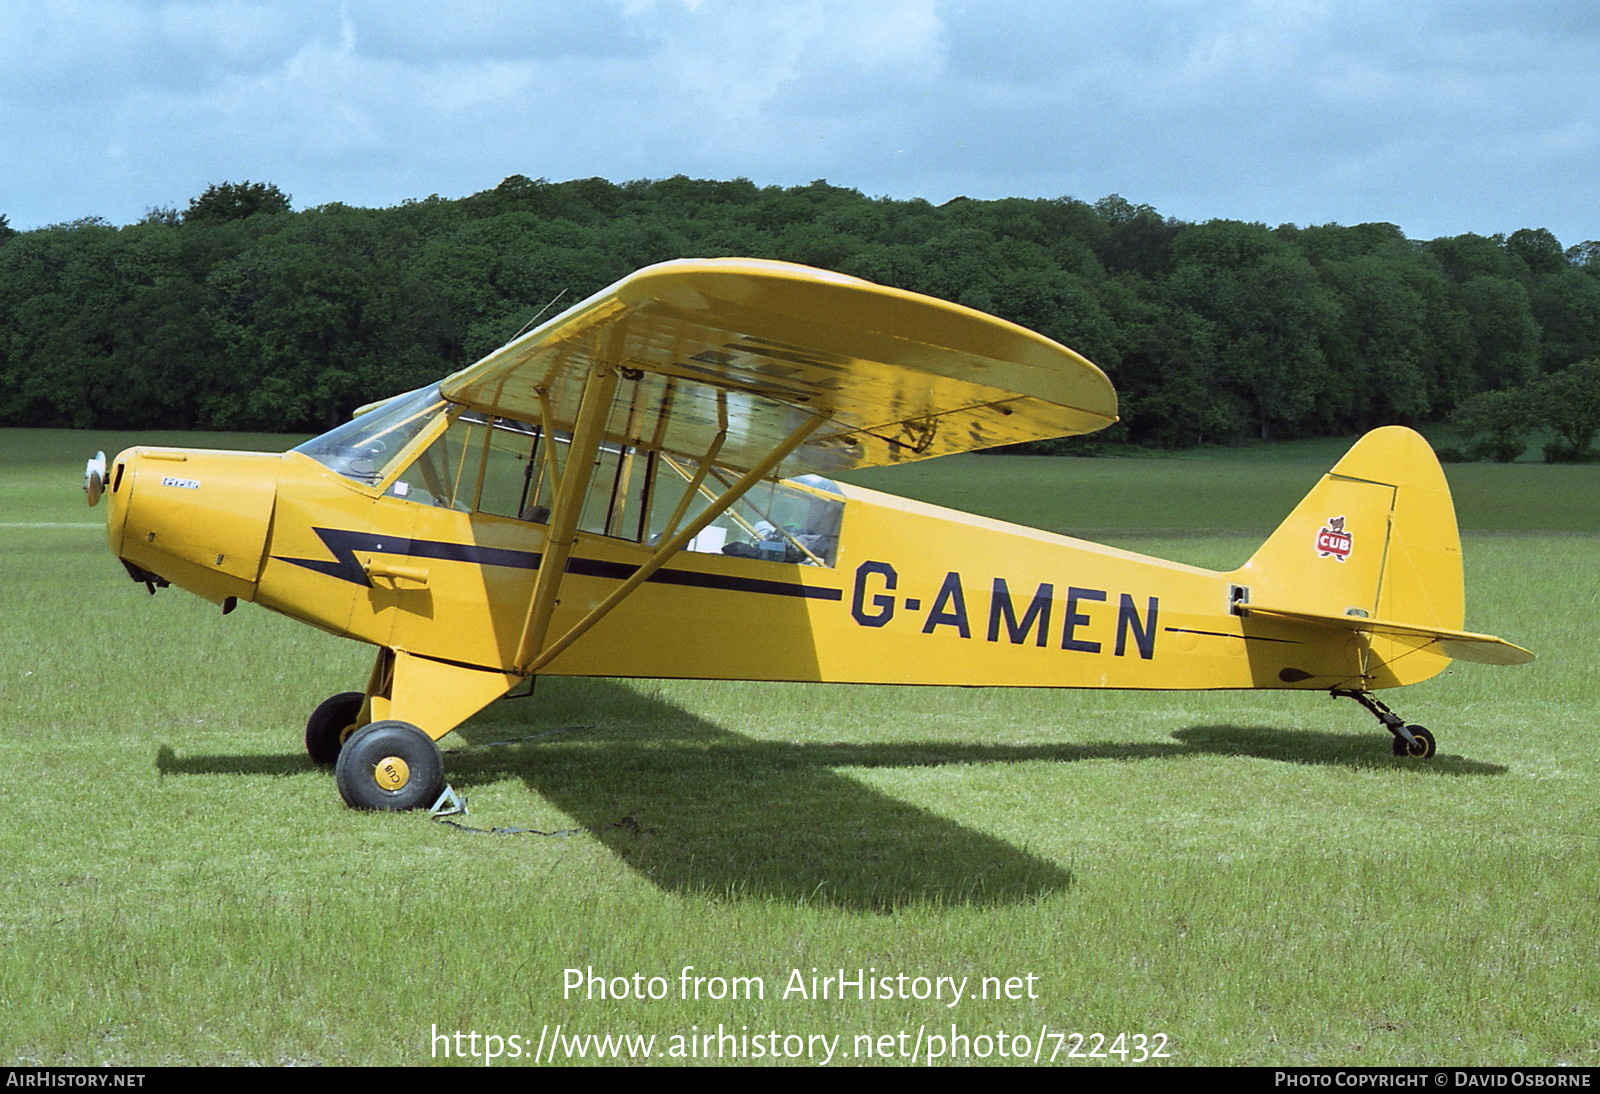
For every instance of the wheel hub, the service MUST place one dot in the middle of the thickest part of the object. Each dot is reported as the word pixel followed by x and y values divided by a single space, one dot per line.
pixel 391 773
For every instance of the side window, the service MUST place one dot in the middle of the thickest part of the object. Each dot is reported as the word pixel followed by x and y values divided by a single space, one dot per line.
pixel 794 521
pixel 475 464
pixel 602 497
pixel 618 491
pixel 446 474
pixel 631 495
pixel 506 468
pixel 502 466
pixel 511 471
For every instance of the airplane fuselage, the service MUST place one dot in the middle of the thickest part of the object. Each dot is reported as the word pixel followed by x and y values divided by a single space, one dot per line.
pixel 916 594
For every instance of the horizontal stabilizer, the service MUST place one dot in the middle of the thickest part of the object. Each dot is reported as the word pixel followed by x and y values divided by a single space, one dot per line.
pixel 1485 649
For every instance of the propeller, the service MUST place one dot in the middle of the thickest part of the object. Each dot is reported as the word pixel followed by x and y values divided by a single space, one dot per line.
pixel 94 478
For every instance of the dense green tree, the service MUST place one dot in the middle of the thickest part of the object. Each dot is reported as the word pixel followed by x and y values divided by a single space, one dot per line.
pixel 1272 318
pixel 1504 330
pixel 1381 348
pixel 1539 250
pixel 1569 403
pixel 1135 238
pixel 1168 381
pixel 236 201
pixel 302 305
pixel 63 298
pixel 894 264
pixel 1566 309
pixel 225 318
pixel 1566 403
pixel 1497 423
pixel 1332 242
pixel 1464 257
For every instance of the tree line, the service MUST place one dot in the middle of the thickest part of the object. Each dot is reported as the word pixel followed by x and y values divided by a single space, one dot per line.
pixel 242 313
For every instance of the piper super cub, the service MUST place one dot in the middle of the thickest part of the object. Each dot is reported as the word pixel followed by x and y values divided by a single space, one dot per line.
pixel 637 488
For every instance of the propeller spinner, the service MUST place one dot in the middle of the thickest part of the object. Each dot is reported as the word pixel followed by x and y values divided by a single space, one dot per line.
pixel 94 478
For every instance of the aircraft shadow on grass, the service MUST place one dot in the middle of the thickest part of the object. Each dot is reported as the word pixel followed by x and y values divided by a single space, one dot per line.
pixel 698 809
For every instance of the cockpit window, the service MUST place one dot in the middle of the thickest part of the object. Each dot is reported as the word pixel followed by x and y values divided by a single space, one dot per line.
pixel 491 465
pixel 796 520
pixel 446 473
pixel 365 446
pixel 507 468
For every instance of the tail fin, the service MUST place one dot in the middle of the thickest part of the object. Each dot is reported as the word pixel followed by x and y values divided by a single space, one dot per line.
pixel 1375 539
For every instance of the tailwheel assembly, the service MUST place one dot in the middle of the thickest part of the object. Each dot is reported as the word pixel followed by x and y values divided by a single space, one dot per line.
pixel 1409 740
pixel 1420 747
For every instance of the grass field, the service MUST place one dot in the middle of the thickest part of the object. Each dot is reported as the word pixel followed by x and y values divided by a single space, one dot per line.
pixel 1251 875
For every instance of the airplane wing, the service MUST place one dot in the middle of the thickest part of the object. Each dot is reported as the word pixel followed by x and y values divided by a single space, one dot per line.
pixel 751 349
pixel 1485 649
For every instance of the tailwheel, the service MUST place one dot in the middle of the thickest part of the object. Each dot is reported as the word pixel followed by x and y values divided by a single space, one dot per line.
pixel 389 765
pixel 1419 747
pixel 1422 749
pixel 331 725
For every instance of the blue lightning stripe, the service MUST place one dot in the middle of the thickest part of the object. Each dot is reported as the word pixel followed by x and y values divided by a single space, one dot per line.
pixel 593 567
pixel 344 544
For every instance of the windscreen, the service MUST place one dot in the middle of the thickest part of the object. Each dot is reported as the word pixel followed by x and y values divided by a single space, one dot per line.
pixel 363 447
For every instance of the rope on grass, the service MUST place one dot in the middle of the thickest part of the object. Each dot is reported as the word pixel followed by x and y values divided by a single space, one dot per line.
pixel 516 740
pixel 627 823
pixel 451 804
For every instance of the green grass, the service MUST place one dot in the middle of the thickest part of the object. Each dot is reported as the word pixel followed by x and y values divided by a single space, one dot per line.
pixel 1249 873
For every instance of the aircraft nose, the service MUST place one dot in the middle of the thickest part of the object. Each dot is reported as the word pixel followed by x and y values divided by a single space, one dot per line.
pixel 114 488
pixel 195 518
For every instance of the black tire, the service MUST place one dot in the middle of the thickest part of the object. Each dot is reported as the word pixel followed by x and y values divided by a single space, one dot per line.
pixel 330 725
pixel 1422 750
pixel 389 765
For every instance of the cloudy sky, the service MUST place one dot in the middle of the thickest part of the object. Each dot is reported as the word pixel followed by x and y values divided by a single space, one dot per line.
pixel 1442 116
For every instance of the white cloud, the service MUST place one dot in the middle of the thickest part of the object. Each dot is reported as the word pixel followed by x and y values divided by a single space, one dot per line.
pixel 1439 116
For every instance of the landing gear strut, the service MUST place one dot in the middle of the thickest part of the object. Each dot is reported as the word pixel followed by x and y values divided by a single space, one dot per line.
pixel 1409 740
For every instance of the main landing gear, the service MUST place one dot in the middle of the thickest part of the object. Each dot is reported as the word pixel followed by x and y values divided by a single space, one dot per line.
pixel 1409 740
pixel 331 725
pixel 389 765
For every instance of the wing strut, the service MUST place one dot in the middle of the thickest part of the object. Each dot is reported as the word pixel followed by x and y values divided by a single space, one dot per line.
pixel 667 549
pixel 572 488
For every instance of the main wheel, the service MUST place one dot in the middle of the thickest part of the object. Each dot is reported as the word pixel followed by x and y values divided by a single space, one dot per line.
pixel 1423 749
pixel 389 765
pixel 331 724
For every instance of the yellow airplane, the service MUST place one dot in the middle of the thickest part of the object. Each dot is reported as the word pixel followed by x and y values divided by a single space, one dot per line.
pixel 636 489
